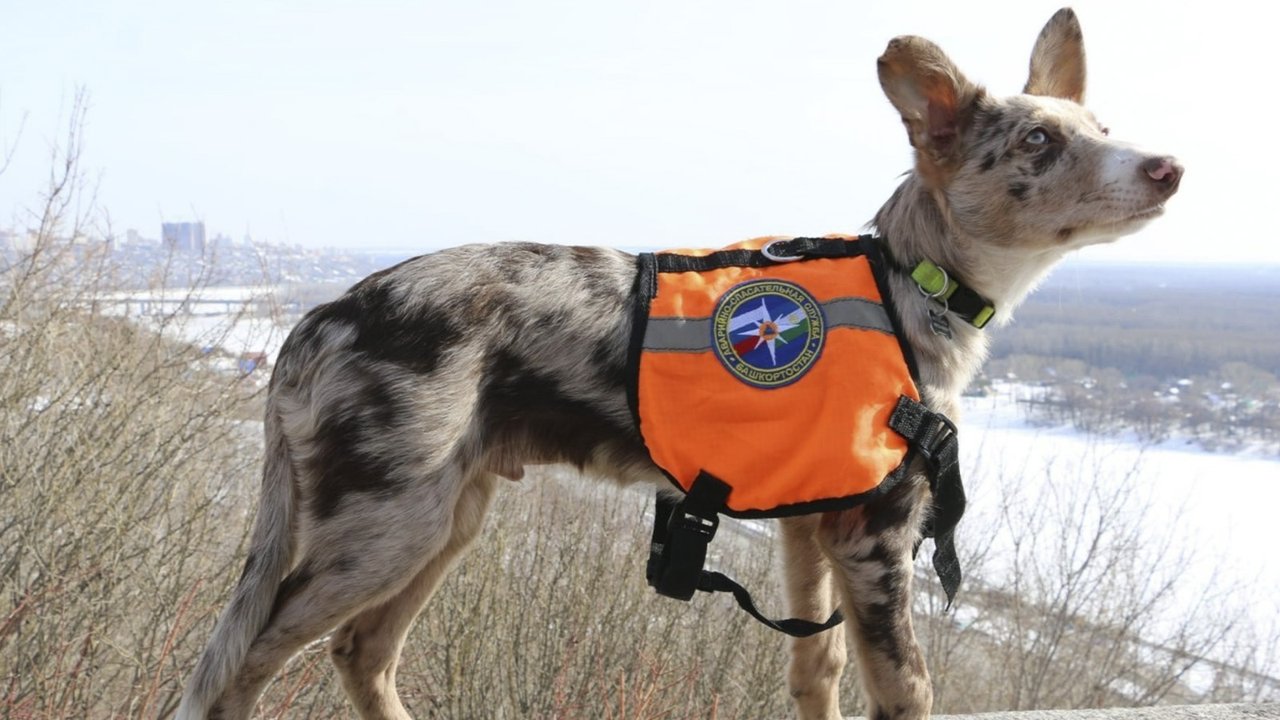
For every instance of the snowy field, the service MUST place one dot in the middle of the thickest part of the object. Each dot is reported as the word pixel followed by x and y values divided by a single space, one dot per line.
pixel 1220 505
pixel 235 320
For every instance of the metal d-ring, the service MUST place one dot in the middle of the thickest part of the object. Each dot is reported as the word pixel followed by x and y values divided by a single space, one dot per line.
pixel 938 322
pixel 946 283
pixel 768 252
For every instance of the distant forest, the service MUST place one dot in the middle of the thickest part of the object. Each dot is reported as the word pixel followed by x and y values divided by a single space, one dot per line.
pixel 1156 320
pixel 1159 349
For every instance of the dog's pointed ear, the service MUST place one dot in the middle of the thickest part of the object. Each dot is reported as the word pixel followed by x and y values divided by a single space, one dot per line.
pixel 1057 62
pixel 932 96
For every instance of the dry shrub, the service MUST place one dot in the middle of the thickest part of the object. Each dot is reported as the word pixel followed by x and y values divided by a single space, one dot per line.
pixel 118 451
pixel 1078 595
pixel 128 466
pixel 549 616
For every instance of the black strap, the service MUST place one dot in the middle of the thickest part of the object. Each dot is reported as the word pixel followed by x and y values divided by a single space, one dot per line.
pixel 795 627
pixel 795 248
pixel 679 548
pixel 642 293
pixel 934 437
pixel 968 305
pixel 681 531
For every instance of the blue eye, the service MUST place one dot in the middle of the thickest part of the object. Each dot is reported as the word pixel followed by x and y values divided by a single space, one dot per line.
pixel 1037 137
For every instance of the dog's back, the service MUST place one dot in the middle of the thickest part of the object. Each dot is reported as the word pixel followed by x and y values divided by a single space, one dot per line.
pixel 393 404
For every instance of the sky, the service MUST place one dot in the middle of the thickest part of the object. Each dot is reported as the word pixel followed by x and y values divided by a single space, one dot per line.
pixel 665 123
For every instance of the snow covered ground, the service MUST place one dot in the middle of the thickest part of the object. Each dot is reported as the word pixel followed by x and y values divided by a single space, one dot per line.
pixel 1222 506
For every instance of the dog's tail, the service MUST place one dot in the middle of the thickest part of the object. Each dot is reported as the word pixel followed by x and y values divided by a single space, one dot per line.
pixel 271 552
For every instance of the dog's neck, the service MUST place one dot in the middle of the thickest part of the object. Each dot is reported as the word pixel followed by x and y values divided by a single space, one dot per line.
pixel 916 225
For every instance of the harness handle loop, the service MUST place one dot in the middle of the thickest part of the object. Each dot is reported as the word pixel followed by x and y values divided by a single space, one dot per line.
pixel 769 252
pixel 795 627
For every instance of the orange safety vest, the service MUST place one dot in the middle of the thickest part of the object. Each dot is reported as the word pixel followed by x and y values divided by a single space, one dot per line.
pixel 770 380
pixel 777 379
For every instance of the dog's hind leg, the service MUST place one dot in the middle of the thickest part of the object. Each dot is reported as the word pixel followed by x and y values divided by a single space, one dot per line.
pixel 366 648
pixel 818 660
pixel 365 554
pixel 871 548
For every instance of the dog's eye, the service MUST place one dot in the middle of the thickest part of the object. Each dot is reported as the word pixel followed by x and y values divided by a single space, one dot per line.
pixel 1106 130
pixel 1037 137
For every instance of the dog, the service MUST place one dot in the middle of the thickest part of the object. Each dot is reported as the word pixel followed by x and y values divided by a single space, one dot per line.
pixel 394 411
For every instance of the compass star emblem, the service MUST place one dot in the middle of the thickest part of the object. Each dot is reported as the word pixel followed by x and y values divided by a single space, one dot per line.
pixel 768 332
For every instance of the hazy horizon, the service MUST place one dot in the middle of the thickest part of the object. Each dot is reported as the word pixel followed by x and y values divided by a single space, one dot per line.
pixel 408 127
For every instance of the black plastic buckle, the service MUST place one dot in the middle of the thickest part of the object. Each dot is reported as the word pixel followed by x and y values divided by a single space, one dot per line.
pixel 675 563
pixel 694 528
pixel 937 432
pixel 681 532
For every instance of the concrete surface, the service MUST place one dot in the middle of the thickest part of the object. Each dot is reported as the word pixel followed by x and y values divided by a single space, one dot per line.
pixel 1180 712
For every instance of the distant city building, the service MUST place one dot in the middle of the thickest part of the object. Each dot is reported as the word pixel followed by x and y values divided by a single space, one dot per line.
pixel 183 237
pixel 11 241
pixel 221 243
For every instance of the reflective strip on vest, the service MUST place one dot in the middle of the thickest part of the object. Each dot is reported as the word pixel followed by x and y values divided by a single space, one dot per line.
pixel 788 405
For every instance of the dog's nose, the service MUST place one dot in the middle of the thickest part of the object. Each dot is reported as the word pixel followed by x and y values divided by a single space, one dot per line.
pixel 1165 171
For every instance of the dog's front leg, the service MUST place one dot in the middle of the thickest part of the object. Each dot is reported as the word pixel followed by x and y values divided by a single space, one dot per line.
pixel 818 660
pixel 871 549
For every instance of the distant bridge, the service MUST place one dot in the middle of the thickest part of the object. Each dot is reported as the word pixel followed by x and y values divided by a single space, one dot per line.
pixel 144 305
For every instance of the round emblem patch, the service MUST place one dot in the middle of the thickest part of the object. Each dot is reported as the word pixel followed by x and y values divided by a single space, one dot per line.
pixel 768 333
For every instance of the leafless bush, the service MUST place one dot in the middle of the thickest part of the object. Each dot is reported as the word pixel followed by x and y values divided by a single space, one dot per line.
pixel 1080 595
pixel 118 446
pixel 549 617
pixel 127 478
pixel 128 461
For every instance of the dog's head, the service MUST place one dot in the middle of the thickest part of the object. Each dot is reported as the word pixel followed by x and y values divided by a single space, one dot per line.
pixel 1035 170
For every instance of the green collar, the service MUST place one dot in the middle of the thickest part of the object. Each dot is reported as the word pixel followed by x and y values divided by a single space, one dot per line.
pixel 940 287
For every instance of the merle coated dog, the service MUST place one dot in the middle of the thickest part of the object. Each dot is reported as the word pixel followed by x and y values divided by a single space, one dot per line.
pixel 394 411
